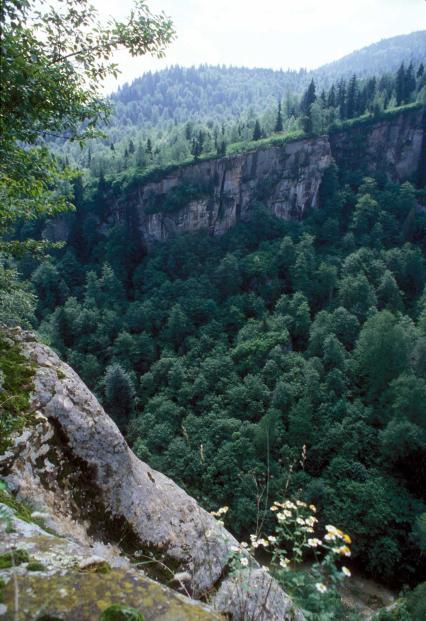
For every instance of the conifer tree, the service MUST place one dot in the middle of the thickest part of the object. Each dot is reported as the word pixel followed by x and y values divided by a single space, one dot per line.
pixel 410 83
pixel 257 132
pixel 400 85
pixel 119 394
pixel 352 97
pixel 279 121
pixel 308 98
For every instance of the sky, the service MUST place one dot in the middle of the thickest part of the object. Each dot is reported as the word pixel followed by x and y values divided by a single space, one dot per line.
pixel 267 33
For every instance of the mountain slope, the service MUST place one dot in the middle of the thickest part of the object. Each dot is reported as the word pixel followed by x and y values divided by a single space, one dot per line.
pixel 224 92
pixel 385 55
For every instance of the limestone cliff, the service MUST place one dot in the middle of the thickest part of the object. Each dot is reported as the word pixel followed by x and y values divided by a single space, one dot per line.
pixel 70 464
pixel 285 178
pixel 215 194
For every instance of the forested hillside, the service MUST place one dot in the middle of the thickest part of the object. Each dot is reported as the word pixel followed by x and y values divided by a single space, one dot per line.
pixel 180 113
pixel 226 359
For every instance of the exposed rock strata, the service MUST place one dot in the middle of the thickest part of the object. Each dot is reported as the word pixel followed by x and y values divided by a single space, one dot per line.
pixel 75 464
pixel 284 178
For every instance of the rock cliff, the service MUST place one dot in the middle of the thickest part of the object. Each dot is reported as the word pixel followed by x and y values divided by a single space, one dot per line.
pixel 215 194
pixel 100 504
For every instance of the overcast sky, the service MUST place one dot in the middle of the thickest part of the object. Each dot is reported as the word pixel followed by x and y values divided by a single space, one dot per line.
pixel 269 33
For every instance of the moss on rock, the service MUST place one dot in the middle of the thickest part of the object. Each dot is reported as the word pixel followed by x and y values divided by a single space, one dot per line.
pixel 85 596
pixel 17 377
pixel 117 612
pixel 12 558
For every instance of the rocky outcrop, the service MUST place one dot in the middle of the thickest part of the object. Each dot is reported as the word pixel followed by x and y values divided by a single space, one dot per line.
pixel 214 195
pixel 394 147
pixel 73 464
pixel 64 580
pixel 285 178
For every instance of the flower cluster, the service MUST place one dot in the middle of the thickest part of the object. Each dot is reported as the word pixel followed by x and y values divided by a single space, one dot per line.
pixel 295 534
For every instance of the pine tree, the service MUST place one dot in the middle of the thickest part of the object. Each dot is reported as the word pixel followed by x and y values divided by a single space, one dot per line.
pixel 279 122
pixel 119 394
pixel 420 71
pixel 308 98
pixel 351 99
pixel 257 132
pixel 131 147
pixel 400 85
pixel 149 148
pixel 341 98
pixel 198 144
pixel 331 99
pixel 410 83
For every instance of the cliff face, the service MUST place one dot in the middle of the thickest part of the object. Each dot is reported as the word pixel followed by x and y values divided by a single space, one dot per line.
pixel 395 147
pixel 214 195
pixel 72 466
pixel 286 179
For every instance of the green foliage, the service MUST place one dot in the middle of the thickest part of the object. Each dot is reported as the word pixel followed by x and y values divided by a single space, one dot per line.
pixel 119 394
pixel 53 62
pixel 225 356
pixel 17 302
pixel 15 387
pixel 13 558
pixel 119 612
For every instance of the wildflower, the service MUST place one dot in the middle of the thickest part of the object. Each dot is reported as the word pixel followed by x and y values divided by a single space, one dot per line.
pixel 284 563
pixel 311 520
pixel 344 551
pixel 272 539
pixel 330 537
pixel 244 562
pixel 313 508
pixel 331 529
pixel 235 549
pixel 223 510
pixel 320 587
pixel 274 508
pixel 289 505
pixel 314 542
pixel 280 517
pixel 221 523
pixel 346 572
pixel 346 538
pixel 300 520
pixel 299 503
pixel 244 544
pixel 308 529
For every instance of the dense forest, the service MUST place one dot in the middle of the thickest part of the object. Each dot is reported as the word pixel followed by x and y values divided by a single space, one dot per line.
pixel 282 355
pixel 223 358
pixel 176 114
